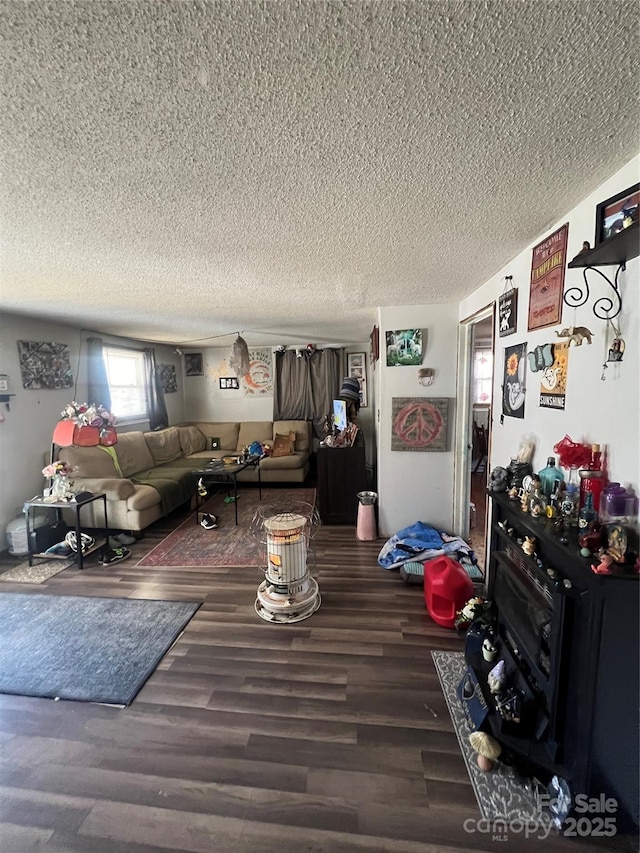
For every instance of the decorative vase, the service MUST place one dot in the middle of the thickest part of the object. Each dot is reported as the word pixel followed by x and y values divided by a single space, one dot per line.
pixel 59 487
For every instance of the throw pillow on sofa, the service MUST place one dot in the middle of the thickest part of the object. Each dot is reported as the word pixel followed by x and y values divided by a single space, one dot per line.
pixel 283 445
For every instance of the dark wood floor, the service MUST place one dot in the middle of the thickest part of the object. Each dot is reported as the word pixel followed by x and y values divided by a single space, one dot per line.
pixel 328 735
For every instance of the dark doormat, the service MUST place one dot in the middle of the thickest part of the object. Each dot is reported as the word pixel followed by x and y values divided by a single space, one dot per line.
pixel 84 648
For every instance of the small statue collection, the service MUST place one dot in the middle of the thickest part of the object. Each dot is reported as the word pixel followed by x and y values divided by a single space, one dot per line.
pixel 477 618
pixel 595 509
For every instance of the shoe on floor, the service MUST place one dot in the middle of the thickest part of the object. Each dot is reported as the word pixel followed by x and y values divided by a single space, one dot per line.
pixel 124 538
pixel 202 489
pixel 209 522
pixel 114 555
pixel 62 549
pixel 86 541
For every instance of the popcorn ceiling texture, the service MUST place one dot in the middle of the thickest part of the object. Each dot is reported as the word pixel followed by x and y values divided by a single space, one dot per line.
pixel 175 170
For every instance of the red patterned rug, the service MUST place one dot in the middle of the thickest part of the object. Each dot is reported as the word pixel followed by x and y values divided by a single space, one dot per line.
pixel 226 545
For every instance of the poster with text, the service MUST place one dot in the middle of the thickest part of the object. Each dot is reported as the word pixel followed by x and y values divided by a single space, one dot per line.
pixel 258 382
pixel 508 312
pixel 553 384
pixel 547 280
pixel 513 383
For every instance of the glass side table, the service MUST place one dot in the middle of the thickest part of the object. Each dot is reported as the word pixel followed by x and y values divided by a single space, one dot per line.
pixel 76 506
pixel 217 472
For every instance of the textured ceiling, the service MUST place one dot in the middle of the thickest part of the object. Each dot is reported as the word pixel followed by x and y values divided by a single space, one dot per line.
pixel 173 171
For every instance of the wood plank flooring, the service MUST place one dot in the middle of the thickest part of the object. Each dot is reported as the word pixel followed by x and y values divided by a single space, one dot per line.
pixel 328 736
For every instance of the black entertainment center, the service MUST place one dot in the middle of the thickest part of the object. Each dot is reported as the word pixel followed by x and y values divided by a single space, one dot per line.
pixel 570 641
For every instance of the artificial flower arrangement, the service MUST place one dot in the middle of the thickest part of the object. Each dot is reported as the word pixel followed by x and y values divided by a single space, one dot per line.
pixel 57 469
pixel 84 414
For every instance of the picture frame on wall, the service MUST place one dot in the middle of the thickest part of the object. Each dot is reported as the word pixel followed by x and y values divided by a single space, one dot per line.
pixel 193 364
pixel 375 344
pixel 508 312
pixel 617 213
pixel 548 263
pixel 228 383
pixel 357 366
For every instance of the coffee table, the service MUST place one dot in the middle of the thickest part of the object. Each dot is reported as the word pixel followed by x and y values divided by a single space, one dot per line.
pixel 217 472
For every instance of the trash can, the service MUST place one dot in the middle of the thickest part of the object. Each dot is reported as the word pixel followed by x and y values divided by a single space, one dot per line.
pixel 366 527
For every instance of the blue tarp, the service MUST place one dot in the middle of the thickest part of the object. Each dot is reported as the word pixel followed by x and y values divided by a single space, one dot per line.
pixel 419 542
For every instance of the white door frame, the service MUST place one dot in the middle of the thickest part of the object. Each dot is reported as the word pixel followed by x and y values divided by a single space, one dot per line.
pixel 464 441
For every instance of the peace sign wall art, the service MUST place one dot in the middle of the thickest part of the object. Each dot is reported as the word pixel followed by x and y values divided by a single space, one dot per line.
pixel 419 423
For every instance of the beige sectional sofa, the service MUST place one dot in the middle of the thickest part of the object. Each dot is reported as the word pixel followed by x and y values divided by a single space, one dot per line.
pixel 147 475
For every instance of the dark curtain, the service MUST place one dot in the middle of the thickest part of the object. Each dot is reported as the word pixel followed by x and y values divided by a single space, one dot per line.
pixel 304 387
pixel 97 382
pixel 156 407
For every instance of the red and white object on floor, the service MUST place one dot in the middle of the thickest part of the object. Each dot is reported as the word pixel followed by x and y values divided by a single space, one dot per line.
pixel 447 587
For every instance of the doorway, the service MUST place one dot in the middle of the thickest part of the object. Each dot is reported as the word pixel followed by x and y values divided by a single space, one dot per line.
pixel 475 395
pixel 481 395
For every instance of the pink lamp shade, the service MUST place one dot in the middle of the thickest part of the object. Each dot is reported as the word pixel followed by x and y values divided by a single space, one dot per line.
pixel 63 433
pixel 66 433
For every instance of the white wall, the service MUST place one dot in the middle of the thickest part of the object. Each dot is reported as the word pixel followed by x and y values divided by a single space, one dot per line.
pixel 416 486
pixel 25 433
pixel 205 401
pixel 606 412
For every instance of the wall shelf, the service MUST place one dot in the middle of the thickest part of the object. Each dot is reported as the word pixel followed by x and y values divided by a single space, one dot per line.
pixel 622 247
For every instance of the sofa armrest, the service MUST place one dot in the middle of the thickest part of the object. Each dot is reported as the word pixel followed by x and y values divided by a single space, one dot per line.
pixel 115 488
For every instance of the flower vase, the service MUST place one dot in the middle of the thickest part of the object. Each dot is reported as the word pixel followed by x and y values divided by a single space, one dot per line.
pixel 58 487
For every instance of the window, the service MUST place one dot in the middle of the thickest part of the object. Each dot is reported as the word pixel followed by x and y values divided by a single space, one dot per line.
pixel 126 377
pixel 482 375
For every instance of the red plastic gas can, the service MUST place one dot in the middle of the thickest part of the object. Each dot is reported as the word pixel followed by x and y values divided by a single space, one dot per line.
pixel 447 588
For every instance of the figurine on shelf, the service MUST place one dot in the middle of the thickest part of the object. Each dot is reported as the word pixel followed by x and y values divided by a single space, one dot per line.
pixel 529 546
pixel 496 678
pixel 604 566
pixel 498 479
pixel 576 334
pixel 591 540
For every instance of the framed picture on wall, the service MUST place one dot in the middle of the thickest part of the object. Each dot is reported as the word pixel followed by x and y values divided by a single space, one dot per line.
pixel 193 364
pixel 617 213
pixel 357 366
pixel 548 264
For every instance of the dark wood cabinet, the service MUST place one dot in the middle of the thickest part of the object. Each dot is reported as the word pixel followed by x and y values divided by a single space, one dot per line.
pixel 570 639
pixel 342 474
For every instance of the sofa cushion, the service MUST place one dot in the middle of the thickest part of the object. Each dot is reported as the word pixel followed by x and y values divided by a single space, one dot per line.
pixel 226 431
pixel 89 462
pixel 251 431
pixel 133 453
pixel 293 460
pixel 164 445
pixel 191 440
pixel 143 497
pixel 302 430
pixel 115 488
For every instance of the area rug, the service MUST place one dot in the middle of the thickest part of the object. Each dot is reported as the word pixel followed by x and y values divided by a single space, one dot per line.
pixel 38 573
pixel 84 648
pixel 501 793
pixel 226 545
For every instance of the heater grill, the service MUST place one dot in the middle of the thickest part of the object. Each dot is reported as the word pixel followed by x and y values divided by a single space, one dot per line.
pixel 288 593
